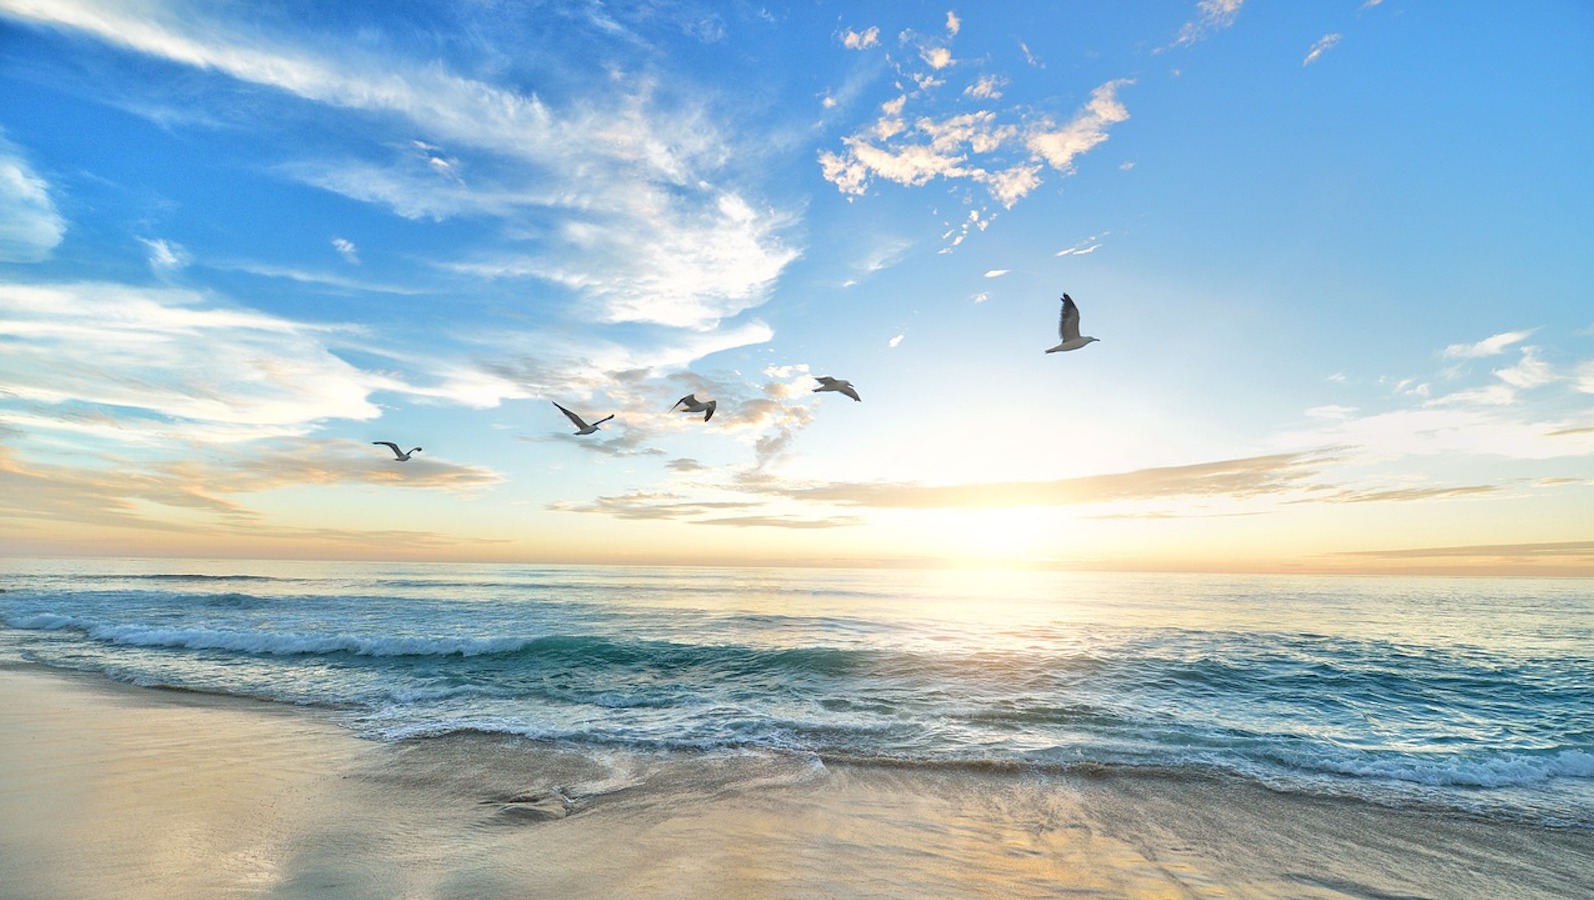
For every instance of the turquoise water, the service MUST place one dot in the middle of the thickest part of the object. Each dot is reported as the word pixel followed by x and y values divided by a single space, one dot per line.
pixel 1470 695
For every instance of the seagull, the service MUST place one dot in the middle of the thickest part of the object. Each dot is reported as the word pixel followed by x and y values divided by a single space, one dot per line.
pixel 1068 327
pixel 400 454
pixel 826 383
pixel 693 405
pixel 585 428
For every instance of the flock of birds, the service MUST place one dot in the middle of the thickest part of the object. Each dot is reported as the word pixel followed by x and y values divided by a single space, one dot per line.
pixel 1067 328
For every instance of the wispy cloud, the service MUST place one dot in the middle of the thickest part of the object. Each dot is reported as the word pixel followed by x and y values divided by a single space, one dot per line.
pixel 1332 411
pixel 781 522
pixel 1490 346
pixel 861 40
pixel 311 277
pixel 1060 145
pixel 974 146
pixel 1518 411
pixel 631 186
pixel 1233 479
pixel 30 225
pixel 175 356
pixel 1530 371
pixel 1401 495
pixel 666 506
pixel 1571 550
pixel 986 87
pixel 1211 16
pixel 1088 245
pixel 123 494
pixel 165 256
pixel 347 250
pixel 1323 45
pixel 651 506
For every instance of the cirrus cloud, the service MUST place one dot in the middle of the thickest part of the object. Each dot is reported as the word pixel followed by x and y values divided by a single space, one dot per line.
pixel 30 225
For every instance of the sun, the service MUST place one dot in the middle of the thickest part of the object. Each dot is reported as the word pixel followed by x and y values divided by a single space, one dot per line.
pixel 1006 536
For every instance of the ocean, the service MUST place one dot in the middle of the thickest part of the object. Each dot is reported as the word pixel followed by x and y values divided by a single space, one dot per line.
pixel 1465 696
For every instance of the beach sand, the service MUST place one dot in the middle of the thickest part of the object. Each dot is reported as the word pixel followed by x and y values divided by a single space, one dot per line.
pixel 113 791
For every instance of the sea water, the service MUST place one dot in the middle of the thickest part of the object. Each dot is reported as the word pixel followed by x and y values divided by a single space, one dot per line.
pixel 1472 696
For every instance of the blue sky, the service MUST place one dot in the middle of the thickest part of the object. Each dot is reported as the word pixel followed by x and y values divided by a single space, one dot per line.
pixel 1336 254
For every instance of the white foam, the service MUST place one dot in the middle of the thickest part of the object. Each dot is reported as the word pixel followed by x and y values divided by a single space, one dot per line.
pixel 1505 770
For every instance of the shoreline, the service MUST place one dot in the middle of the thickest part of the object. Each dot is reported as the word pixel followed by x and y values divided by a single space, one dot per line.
pixel 113 790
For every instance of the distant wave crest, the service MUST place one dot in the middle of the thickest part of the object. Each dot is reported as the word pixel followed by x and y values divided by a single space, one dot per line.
pixel 272 644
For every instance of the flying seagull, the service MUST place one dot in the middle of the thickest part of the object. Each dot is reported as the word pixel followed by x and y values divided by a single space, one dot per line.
pixel 826 383
pixel 400 455
pixel 585 428
pixel 1068 327
pixel 691 404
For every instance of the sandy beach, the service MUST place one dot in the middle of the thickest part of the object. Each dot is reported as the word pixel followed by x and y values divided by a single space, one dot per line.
pixel 108 790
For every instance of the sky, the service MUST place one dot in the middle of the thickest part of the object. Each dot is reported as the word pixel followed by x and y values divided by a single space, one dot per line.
pixel 1337 255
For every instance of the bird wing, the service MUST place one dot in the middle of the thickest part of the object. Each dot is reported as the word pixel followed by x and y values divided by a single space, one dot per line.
pixel 602 420
pixel 1068 326
pixel 396 451
pixel 848 390
pixel 689 399
pixel 825 380
pixel 710 406
pixel 572 417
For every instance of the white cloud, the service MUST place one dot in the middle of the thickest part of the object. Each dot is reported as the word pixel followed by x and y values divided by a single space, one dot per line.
pixel 1323 45
pixel 956 146
pixel 1498 417
pixel 986 87
pixel 1332 411
pixel 996 273
pixel 347 250
pixel 1491 346
pixel 1211 16
pixel 885 254
pixel 628 178
pixel 937 57
pixel 306 276
pixel 953 23
pixel 165 256
pixel 1088 245
pixel 30 225
pixel 1003 151
pixel 1009 186
pixel 1473 430
pixel 160 364
pixel 164 354
pixel 1584 379
pixel 1059 146
pixel 854 40
pixel 690 270
pixel 894 342
pixel 1529 372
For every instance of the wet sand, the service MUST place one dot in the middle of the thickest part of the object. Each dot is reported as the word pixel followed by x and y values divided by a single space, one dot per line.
pixel 112 791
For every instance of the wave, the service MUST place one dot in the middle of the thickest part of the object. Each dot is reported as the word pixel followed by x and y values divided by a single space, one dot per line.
pixel 1499 770
pixel 184 577
pixel 270 644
